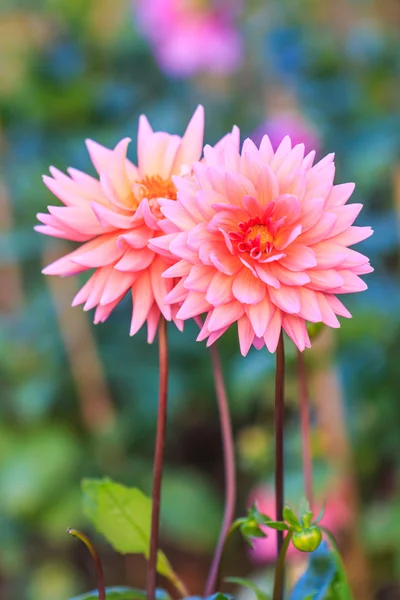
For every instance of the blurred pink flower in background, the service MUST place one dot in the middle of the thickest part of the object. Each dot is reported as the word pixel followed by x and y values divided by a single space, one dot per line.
pixel 336 518
pixel 115 215
pixel 292 124
pixel 192 36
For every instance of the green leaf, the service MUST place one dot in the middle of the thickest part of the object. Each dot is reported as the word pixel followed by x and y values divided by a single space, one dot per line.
pixel 279 525
pixel 260 595
pixel 122 593
pixel 123 516
pixel 290 517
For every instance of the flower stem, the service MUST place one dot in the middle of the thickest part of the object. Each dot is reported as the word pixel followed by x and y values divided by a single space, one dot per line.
pixel 305 428
pixel 279 467
pixel 96 559
pixel 158 459
pixel 278 582
pixel 229 467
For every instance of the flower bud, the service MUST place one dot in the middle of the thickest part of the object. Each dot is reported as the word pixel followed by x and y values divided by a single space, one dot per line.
pixel 308 539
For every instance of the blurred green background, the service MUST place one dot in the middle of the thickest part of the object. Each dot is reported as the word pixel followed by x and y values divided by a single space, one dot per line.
pixel 78 400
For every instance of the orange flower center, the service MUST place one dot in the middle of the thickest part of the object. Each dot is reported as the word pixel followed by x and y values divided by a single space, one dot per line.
pixel 156 187
pixel 261 232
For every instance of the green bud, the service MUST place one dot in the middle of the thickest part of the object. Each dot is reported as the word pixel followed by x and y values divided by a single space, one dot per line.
pixel 308 539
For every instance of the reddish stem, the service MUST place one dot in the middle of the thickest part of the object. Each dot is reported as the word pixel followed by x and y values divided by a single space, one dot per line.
pixel 305 428
pixel 279 466
pixel 229 468
pixel 158 459
pixel 96 560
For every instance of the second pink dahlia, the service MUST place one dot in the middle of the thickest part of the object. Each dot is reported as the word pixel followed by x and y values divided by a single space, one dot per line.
pixel 115 215
pixel 263 240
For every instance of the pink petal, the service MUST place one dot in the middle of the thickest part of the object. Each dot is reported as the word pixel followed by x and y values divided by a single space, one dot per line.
pixel 195 304
pixel 287 237
pixel 99 281
pixel 103 312
pixel 238 186
pixel 220 289
pixel 345 216
pixel 144 133
pixel 311 212
pixel 179 269
pixel 266 274
pixel 353 235
pixel 351 283
pixel 286 298
pixel 288 207
pixel 191 145
pixel 107 217
pixel 102 251
pixel 281 153
pixel 136 238
pixel 299 258
pixel 161 244
pixel 325 279
pixel 178 216
pixel 273 331
pixel 247 289
pixel 177 294
pixel 227 264
pixel 267 186
pixel 159 154
pixel 287 277
pixel 337 306
pixel 246 334
pixel 266 149
pixel 153 319
pixel 339 194
pixel 117 285
pixel 328 315
pixel 199 278
pixel 224 315
pixel 296 329
pixel 135 260
pixel 260 315
pixel 320 231
pixel 292 161
pixel 309 306
pixel 161 286
pixel 329 254
pixel 143 300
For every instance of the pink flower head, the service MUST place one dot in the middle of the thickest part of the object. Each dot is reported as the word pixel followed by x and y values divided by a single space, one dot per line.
pixel 294 125
pixel 262 239
pixel 337 516
pixel 191 36
pixel 115 215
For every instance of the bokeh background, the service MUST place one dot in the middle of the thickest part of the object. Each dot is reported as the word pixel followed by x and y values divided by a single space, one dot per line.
pixel 78 400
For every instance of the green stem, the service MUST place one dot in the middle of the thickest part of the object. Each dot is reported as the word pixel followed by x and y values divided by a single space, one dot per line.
pixel 278 582
pixel 96 559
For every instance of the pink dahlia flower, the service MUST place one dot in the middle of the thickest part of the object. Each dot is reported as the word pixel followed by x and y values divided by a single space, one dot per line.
pixel 337 516
pixel 189 36
pixel 115 215
pixel 262 239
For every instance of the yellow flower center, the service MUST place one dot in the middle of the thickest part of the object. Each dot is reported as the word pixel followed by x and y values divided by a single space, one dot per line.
pixel 261 231
pixel 156 187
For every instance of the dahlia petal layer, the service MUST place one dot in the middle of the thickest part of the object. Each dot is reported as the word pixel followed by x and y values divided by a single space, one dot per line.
pixel 262 239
